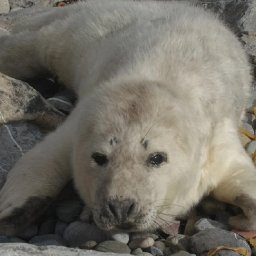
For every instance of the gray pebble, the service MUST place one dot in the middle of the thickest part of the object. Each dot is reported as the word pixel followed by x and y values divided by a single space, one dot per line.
pixel 145 254
pixel 154 251
pixel 141 243
pixel 174 240
pixel 182 253
pixel 79 232
pixel 60 228
pixel 50 239
pixel 113 246
pixel 29 232
pixel 160 245
pixel 137 251
pixel 134 236
pixel 121 237
pixel 88 245
pixel 251 147
pixel 205 223
pixel 47 227
pixel 69 210
pixel 212 238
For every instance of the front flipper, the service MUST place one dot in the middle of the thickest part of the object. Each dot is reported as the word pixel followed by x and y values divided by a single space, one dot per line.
pixel 35 180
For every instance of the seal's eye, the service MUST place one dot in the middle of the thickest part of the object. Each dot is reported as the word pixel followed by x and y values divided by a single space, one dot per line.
pixel 156 159
pixel 100 159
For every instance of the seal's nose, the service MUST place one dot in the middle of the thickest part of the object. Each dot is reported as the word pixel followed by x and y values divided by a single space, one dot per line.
pixel 121 211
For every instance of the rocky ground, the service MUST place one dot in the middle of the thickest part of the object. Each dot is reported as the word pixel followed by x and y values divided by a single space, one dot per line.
pixel 65 229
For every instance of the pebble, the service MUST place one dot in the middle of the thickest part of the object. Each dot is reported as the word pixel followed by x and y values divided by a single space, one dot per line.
pixel 205 223
pixel 251 147
pixel 160 245
pixel 141 243
pixel 183 253
pixel 141 235
pixel 50 239
pixel 60 228
pixel 172 228
pixel 77 233
pixel 145 254
pixel 154 251
pixel 121 237
pixel 29 232
pixel 47 227
pixel 88 245
pixel 174 240
pixel 113 246
pixel 69 210
pixel 4 6
pixel 211 238
pixel 137 251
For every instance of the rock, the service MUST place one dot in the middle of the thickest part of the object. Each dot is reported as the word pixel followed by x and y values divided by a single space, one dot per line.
pixel 141 243
pixel 89 245
pixel 137 251
pixel 182 253
pixel 4 6
pixel 171 228
pixel 47 227
pixel 160 245
pixel 29 232
pixel 204 224
pixel 51 239
pixel 60 228
pixel 121 237
pixel 142 235
pixel 77 233
pixel 32 250
pixel 154 251
pixel 251 147
pixel 174 240
pixel 212 238
pixel 30 107
pixel 145 254
pixel 16 139
pixel 7 239
pixel 69 211
pixel 113 246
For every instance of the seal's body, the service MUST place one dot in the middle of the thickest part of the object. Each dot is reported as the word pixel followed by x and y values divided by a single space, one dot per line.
pixel 162 87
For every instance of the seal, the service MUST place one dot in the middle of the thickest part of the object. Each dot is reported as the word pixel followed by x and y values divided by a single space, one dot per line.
pixel 162 87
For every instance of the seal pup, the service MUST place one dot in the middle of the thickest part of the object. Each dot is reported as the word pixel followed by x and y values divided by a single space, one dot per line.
pixel 162 87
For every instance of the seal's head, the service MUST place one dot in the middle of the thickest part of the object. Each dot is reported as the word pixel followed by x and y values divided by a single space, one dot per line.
pixel 132 156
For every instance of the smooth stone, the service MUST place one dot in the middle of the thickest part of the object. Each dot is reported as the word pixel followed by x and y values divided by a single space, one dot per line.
pixel 134 236
pixel 154 251
pixel 205 223
pixel 69 211
pixel 160 245
pixel 77 233
pixel 141 243
pixel 50 239
pixel 182 253
pixel 60 228
pixel 145 254
pixel 174 240
pixel 137 251
pixel 4 6
pixel 113 246
pixel 251 147
pixel 47 227
pixel 121 237
pixel 29 232
pixel 212 238
pixel 88 245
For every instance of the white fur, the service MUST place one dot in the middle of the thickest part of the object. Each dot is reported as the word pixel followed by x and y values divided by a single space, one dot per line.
pixel 163 71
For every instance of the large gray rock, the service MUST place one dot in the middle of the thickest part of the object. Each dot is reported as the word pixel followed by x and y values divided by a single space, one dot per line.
pixel 29 250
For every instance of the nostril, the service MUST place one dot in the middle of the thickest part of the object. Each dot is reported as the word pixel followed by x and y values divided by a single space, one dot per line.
pixel 113 210
pixel 131 209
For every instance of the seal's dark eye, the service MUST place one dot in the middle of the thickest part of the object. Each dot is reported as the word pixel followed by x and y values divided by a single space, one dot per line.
pixel 156 159
pixel 100 159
